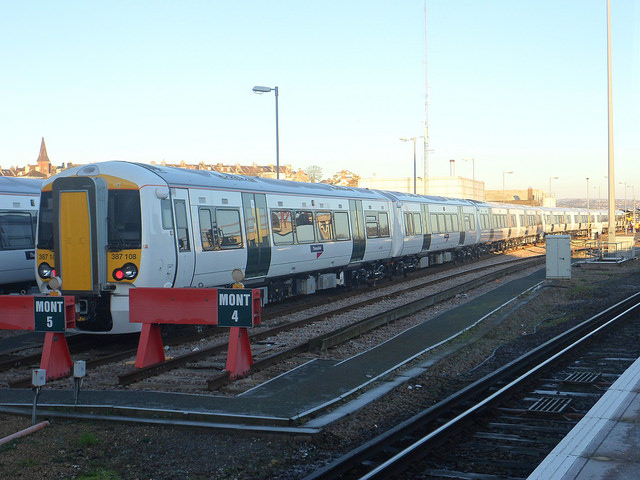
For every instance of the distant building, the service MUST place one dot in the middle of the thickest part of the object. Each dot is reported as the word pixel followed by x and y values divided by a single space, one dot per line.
pixel 44 169
pixel 452 187
pixel 343 178
pixel 254 170
pixel 41 169
pixel 538 198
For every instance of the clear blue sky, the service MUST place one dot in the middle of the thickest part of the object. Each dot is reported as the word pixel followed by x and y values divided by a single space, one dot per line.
pixel 516 84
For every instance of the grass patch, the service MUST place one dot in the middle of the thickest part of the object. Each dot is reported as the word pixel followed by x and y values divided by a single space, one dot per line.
pixel 100 474
pixel 87 439
pixel 28 462
pixel 9 446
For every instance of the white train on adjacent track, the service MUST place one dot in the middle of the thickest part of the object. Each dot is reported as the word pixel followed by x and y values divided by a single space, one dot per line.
pixel 108 227
pixel 19 203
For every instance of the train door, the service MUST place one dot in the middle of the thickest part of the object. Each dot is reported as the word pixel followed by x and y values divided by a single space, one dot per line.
pixel 183 237
pixel 357 230
pixel 80 233
pixel 256 221
pixel 426 238
pixel 461 226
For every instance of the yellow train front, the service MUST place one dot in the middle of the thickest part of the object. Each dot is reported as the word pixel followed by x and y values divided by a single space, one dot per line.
pixel 90 245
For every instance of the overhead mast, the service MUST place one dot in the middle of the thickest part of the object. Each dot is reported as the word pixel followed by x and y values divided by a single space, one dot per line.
pixel 425 177
pixel 612 183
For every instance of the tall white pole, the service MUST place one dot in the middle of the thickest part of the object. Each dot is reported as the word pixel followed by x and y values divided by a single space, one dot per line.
pixel 612 183
pixel 425 176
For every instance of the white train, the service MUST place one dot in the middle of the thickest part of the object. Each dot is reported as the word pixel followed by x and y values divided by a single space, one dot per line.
pixel 19 203
pixel 108 227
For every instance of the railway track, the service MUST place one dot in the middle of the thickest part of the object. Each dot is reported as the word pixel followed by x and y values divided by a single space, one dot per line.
pixel 504 424
pixel 265 353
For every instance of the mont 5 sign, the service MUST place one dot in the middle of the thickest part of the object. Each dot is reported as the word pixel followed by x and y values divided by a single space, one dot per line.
pixel 49 314
pixel 235 307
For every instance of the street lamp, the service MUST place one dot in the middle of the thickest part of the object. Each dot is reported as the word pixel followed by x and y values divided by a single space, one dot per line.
pixel 551 178
pixel 408 139
pixel 625 196
pixel 260 90
pixel 503 174
pixel 588 211
pixel 473 165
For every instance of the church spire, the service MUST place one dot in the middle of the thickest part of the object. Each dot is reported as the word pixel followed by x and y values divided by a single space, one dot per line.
pixel 44 164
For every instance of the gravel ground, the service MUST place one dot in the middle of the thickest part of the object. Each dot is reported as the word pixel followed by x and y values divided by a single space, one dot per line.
pixel 76 450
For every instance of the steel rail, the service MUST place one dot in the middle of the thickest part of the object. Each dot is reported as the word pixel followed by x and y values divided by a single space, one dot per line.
pixel 530 363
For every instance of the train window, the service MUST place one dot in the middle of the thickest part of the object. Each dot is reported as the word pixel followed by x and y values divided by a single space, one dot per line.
pixel 45 221
pixel 16 231
pixel 282 227
pixel 383 223
pixel 513 221
pixel 408 225
pixel 469 222
pixel 372 226
pixel 437 223
pixel 417 224
pixel 304 227
pixel 123 220
pixel 228 229
pixel 341 222
pixel 448 224
pixel 206 229
pixel 167 216
pixel 325 226
pixel 182 227
pixel 455 220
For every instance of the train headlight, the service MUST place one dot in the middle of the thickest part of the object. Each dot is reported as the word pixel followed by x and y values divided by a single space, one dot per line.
pixel 45 270
pixel 127 272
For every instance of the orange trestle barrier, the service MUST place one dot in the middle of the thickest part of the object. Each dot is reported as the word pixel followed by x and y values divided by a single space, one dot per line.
pixel 17 313
pixel 189 306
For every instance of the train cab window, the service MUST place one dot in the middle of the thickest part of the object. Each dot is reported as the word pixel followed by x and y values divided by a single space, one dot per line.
pixel 123 220
pixel 228 229
pixel 324 226
pixel 182 226
pixel 167 216
pixel 304 227
pixel 282 227
pixel 206 229
pixel 45 221
pixel 341 223
pixel 16 231
pixel 383 223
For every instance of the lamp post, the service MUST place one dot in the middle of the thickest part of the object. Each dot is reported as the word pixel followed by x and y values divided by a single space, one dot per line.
pixel 625 196
pixel 551 178
pixel 473 166
pixel 260 90
pixel 408 139
pixel 588 211
pixel 503 174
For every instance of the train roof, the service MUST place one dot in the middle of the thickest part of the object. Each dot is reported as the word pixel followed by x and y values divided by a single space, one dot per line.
pixel 142 174
pixel 20 185
pixel 183 177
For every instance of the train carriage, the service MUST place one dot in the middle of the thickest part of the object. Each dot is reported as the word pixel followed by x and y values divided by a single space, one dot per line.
pixel 106 228
pixel 19 203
